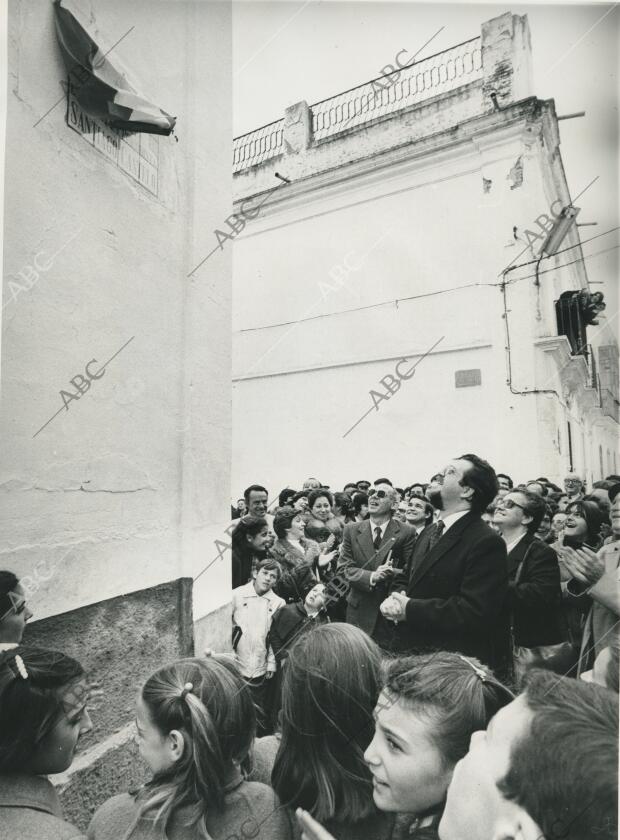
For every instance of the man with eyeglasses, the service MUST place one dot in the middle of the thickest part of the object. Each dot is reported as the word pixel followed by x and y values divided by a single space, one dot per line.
pixel 373 554
pixel 574 486
pixel 534 595
pixel 459 573
pixel 13 611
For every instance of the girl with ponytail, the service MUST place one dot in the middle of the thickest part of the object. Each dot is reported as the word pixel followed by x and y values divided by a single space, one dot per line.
pixel 43 714
pixel 195 724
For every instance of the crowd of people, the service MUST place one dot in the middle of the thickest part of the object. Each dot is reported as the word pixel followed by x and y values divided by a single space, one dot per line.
pixel 432 661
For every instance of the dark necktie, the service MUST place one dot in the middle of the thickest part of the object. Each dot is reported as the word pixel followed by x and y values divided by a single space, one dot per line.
pixel 436 535
pixel 377 540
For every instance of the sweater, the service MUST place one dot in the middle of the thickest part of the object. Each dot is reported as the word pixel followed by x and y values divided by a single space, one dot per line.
pixel 30 810
pixel 251 810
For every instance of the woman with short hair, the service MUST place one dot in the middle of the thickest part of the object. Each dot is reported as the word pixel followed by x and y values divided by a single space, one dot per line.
pixel 323 525
pixel 343 508
pixel 299 557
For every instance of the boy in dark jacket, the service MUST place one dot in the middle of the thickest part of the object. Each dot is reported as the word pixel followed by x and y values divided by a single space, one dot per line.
pixel 289 623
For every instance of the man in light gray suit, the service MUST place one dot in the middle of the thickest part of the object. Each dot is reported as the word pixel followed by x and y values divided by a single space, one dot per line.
pixel 375 554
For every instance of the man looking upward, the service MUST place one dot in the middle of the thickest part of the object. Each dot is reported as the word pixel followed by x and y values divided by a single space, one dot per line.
pixel 458 582
pixel 373 552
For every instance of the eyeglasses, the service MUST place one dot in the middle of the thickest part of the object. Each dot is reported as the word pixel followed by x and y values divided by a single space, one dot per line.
pixel 571 481
pixel 439 477
pixel 380 494
pixel 509 505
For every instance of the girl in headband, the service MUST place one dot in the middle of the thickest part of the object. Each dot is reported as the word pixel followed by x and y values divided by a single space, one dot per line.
pixel 43 714
pixel 429 708
pixel 195 723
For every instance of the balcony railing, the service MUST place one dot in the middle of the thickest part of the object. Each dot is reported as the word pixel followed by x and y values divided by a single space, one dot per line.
pixel 430 77
pixel 258 145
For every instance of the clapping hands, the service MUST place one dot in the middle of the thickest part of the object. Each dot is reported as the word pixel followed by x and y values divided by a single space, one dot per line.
pixel 583 564
pixel 326 559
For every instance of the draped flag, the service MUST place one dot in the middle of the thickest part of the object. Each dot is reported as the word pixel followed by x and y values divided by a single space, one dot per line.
pixel 101 89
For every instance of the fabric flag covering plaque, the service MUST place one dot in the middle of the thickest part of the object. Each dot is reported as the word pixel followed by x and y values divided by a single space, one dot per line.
pixel 101 90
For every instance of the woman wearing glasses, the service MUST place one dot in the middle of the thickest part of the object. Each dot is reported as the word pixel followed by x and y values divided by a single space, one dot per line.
pixel 534 608
pixel 13 611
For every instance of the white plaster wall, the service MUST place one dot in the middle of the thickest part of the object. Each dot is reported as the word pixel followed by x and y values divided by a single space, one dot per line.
pixel 407 219
pixel 413 228
pixel 127 488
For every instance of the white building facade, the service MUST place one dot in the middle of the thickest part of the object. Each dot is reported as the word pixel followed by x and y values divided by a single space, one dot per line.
pixel 408 198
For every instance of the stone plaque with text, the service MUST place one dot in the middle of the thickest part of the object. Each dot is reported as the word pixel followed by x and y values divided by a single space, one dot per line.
pixel 136 154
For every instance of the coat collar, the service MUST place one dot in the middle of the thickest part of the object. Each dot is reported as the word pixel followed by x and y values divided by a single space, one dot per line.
pixel 519 551
pixel 447 541
pixel 34 792
pixel 248 591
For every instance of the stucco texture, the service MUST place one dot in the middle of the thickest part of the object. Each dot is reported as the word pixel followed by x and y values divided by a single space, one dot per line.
pixel 118 771
pixel 120 642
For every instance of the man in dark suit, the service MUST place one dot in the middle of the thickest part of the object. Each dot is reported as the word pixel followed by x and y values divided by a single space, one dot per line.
pixel 374 553
pixel 458 579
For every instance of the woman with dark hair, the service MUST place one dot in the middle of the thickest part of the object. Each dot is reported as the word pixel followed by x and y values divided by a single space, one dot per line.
pixel 250 542
pixel 13 611
pixel 360 506
pixel 331 683
pixel 581 532
pixel 195 724
pixel 429 708
pixel 300 503
pixel 43 714
pixel 299 557
pixel 323 525
pixel 286 497
pixel 582 525
pixel 343 508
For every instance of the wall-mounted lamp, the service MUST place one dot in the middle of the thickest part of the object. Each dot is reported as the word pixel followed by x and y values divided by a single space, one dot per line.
pixel 559 230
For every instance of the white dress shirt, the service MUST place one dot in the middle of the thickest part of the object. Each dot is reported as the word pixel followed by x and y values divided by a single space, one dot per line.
pixel 374 525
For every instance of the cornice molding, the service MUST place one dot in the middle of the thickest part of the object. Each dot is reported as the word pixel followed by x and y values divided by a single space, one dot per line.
pixel 448 154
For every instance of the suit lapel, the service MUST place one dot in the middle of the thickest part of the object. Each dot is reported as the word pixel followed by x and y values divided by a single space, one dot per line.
pixel 447 541
pixel 365 539
pixel 367 544
pixel 389 539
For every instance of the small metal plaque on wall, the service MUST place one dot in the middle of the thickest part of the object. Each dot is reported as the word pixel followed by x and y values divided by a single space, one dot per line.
pixel 135 154
pixel 467 378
